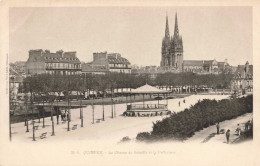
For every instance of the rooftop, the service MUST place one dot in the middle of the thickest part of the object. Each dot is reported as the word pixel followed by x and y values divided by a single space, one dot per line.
pixel 47 56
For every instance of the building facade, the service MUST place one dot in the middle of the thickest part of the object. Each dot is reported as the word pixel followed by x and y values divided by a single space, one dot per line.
pixel 172 48
pixel 45 62
pixel 206 66
pixel 172 56
pixel 243 78
pixel 104 62
pixel 116 63
pixel 195 66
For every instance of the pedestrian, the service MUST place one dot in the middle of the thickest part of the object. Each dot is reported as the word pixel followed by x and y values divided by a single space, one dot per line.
pixel 184 101
pixel 179 103
pixel 227 135
pixel 247 125
pixel 238 130
pixel 217 128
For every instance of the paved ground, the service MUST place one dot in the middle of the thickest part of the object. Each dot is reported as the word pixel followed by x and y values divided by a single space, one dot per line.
pixel 110 129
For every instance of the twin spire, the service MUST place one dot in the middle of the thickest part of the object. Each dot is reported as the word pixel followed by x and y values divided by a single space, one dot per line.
pixel 167 32
pixel 176 29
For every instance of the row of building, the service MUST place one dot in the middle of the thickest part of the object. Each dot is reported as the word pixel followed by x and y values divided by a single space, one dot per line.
pixel 243 79
pixel 67 63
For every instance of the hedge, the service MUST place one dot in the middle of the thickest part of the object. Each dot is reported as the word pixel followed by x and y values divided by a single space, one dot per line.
pixel 203 114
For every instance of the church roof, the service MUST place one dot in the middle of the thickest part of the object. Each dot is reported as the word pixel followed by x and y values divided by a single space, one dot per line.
pixel 208 62
pixel 192 63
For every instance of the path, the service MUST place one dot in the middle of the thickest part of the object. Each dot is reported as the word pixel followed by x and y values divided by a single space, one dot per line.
pixel 209 134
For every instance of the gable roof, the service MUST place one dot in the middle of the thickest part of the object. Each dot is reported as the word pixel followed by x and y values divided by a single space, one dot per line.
pixel 118 60
pixel 241 72
pixel 192 63
pixel 48 57
pixel 148 89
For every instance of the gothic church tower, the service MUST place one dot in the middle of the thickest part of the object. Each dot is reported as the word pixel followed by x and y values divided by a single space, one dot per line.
pixel 172 48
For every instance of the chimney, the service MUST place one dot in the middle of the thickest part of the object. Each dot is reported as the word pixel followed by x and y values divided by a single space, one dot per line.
pixel 60 52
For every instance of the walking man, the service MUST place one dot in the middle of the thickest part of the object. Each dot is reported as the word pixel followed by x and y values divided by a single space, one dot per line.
pixel 217 128
pixel 247 125
pixel 227 135
pixel 238 130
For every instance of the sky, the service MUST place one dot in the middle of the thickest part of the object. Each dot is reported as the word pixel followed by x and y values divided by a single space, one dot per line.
pixel 135 32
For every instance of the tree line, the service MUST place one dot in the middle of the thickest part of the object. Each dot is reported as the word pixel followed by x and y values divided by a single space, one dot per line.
pixel 111 81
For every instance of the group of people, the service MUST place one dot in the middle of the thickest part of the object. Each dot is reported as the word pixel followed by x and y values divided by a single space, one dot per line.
pixel 227 132
pixel 134 114
pixel 64 115
pixel 248 126
pixel 180 102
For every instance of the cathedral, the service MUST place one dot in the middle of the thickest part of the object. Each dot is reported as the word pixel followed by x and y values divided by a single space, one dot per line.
pixel 172 49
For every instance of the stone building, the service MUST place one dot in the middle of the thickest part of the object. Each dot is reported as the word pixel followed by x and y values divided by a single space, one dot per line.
pixel 45 62
pixel 205 66
pixel 195 66
pixel 243 78
pixel 90 68
pixel 104 62
pixel 116 63
pixel 172 48
pixel 172 56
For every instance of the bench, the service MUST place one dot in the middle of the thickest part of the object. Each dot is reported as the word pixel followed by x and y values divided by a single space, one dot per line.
pixel 74 127
pixel 98 120
pixel 222 131
pixel 43 135
pixel 36 127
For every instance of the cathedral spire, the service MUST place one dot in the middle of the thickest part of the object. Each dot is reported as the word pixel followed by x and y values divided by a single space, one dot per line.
pixel 167 32
pixel 176 29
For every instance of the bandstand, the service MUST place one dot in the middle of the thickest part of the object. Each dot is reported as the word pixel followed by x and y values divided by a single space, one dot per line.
pixel 147 109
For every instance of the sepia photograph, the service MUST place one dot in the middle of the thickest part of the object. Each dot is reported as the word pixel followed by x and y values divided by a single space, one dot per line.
pixel 138 78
